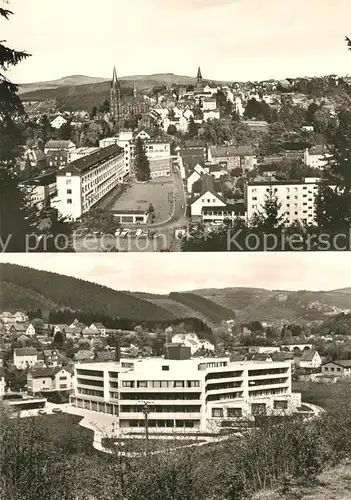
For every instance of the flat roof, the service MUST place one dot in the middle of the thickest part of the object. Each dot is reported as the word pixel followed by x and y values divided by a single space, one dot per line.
pixel 90 161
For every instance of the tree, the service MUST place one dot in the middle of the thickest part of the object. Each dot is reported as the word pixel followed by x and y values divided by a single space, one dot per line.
pixel 13 203
pixel 172 129
pixel 270 218
pixel 142 165
pixel 65 132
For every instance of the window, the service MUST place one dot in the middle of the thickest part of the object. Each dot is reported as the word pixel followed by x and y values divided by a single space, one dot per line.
pixel 179 383
pixel 69 191
pixel 69 201
pixel 63 386
pixel 142 383
pixel 217 412
pixel 156 384
pixel 234 412
pixel 165 368
pixel 127 383
pixel 280 405
pixel 258 409
pixel 254 198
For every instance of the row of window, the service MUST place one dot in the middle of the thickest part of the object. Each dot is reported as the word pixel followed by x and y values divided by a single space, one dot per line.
pixel 160 384
pixel 161 409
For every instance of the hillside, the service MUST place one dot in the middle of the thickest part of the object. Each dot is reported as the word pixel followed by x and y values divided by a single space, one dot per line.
pixel 53 84
pixel 273 305
pixel 23 287
pixel 83 92
pixel 214 311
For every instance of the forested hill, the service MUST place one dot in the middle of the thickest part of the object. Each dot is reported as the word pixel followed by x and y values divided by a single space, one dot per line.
pixel 24 288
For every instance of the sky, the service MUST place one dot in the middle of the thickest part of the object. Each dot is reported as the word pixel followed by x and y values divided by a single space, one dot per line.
pixel 233 40
pixel 166 272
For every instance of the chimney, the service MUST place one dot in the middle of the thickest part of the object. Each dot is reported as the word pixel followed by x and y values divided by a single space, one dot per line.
pixel 118 350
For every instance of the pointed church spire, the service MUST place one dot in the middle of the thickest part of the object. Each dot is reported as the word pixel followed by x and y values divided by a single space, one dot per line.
pixel 199 75
pixel 114 77
pixel 134 89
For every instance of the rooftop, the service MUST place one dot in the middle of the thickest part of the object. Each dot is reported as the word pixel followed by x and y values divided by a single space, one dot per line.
pixel 93 160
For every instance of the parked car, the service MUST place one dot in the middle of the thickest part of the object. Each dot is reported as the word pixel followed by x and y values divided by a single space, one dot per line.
pixel 56 410
pixel 42 412
pixel 138 233
pixel 118 232
pixel 145 233
pixel 124 233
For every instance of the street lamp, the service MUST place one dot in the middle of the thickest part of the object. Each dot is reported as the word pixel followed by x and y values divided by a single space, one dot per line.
pixel 146 411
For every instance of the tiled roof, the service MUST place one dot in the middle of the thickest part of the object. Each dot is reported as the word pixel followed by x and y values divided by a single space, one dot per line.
pixel 58 144
pixel 229 151
pixel 26 351
pixel 307 355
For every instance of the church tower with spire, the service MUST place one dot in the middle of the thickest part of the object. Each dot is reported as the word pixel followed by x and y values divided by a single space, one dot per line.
pixel 115 98
pixel 199 83
pixel 134 90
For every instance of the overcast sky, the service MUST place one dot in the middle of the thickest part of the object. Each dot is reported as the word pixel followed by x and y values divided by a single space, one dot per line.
pixel 229 39
pixel 166 272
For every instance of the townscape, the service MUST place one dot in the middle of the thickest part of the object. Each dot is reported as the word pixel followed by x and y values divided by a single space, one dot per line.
pixel 186 127
pixel 198 374
pixel 159 165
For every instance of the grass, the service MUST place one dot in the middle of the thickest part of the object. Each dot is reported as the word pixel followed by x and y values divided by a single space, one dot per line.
pixel 334 484
pixel 321 394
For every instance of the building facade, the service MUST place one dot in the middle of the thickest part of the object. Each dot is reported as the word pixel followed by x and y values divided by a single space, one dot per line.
pixel 25 357
pixel 86 180
pixel 184 394
pixel 49 379
pixel 297 198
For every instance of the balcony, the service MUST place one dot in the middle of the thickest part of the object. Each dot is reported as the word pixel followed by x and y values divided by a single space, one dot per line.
pixel 224 391
pixel 285 373
pixel 160 416
pixel 91 377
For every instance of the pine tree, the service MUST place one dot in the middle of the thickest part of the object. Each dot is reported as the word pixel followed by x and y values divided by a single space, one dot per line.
pixel 14 209
pixel 142 165
pixel 269 218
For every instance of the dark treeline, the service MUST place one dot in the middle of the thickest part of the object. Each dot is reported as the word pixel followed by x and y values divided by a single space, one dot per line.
pixel 67 316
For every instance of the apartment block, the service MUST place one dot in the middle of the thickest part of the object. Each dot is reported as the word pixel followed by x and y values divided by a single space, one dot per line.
pixel 297 198
pixel 183 393
pixel 157 151
pixel 83 182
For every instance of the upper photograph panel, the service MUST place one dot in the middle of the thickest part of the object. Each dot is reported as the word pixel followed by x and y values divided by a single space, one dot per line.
pixel 153 126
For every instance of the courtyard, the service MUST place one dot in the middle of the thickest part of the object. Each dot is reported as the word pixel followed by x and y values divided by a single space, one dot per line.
pixel 138 196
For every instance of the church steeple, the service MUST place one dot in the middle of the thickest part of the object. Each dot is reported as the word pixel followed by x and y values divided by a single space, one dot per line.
pixel 114 82
pixel 115 98
pixel 199 76
pixel 134 90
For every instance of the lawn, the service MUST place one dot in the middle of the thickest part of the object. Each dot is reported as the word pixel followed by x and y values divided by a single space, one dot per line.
pixel 158 192
pixel 322 394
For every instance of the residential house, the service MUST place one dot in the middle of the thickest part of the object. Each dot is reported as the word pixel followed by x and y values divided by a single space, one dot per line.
pixel 18 329
pixel 213 114
pixel 337 368
pixel 51 357
pixel 206 193
pixel 30 332
pixel 55 378
pixel 192 340
pixel 58 122
pixel 59 145
pixel 34 158
pixel 9 318
pixel 2 382
pixel 25 357
pixel 99 327
pixel 316 157
pixel 310 359
pixel 234 156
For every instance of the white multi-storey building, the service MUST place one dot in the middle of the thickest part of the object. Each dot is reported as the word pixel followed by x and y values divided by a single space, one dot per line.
pixel 157 151
pixel 297 198
pixel 83 182
pixel 184 393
